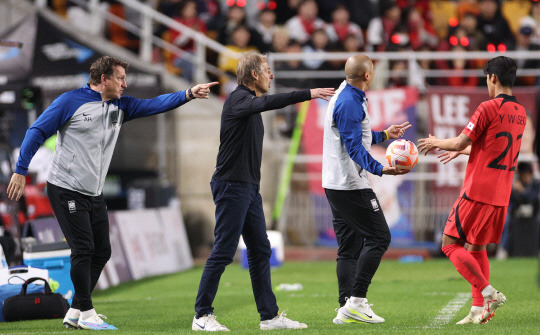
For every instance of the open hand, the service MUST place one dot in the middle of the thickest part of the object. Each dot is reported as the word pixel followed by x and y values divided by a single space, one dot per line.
pixel 393 171
pixel 322 93
pixel 447 156
pixel 425 145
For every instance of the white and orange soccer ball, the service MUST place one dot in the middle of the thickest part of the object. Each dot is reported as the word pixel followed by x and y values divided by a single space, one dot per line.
pixel 402 154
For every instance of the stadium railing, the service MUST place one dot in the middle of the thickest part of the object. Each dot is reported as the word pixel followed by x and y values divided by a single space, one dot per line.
pixel 151 17
pixel 298 220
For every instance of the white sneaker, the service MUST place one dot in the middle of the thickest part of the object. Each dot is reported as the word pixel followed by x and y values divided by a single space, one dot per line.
pixel 491 303
pixel 473 317
pixel 95 322
pixel 342 319
pixel 208 323
pixel 281 322
pixel 71 320
pixel 359 309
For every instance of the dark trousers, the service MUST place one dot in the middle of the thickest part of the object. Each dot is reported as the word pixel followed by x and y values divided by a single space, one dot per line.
pixel 239 211
pixel 363 237
pixel 85 224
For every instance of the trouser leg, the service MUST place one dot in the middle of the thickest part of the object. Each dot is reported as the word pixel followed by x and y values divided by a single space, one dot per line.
pixel 361 212
pixel 349 248
pixel 72 211
pixel 232 203
pixel 258 254
pixel 102 244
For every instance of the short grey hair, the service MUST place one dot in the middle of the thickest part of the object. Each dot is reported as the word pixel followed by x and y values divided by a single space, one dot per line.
pixel 250 62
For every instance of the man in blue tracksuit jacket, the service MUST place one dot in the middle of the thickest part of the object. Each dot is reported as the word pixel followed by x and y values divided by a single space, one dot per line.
pixel 361 229
pixel 88 121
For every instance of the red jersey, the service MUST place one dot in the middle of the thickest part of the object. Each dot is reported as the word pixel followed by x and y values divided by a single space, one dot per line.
pixel 495 129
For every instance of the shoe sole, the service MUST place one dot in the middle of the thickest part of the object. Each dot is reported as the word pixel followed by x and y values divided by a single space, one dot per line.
pixel 281 328
pixel 202 329
pixel 499 305
pixel 355 317
pixel 90 328
pixel 68 325
pixel 468 322
pixel 344 322
pixel 488 318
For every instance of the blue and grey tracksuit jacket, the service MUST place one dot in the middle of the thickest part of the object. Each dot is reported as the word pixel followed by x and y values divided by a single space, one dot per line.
pixel 347 141
pixel 87 130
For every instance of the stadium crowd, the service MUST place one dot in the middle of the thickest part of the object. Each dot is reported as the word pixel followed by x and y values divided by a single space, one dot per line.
pixel 312 26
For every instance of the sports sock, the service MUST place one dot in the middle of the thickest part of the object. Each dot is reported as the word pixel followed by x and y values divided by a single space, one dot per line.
pixel 477 309
pixel 357 301
pixel 482 260
pixel 73 313
pixel 488 291
pixel 89 313
pixel 466 265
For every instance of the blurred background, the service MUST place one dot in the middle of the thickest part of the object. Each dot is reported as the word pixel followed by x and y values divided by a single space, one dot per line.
pixel 428 57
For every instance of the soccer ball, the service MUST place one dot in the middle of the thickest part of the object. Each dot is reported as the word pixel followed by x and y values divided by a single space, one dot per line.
pixel 402 154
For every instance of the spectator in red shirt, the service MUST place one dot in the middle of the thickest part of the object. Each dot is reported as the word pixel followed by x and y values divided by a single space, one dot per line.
pixel 188 17
pixel 302 26
pixel 342 27
pixel 420 32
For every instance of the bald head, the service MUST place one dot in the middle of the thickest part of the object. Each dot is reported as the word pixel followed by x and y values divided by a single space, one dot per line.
pixel 357 66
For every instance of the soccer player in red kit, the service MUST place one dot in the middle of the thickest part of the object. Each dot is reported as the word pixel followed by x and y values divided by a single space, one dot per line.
pixel 492 140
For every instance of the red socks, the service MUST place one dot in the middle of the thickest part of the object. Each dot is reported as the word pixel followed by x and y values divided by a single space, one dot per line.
pixel 467 266
pixel 482 260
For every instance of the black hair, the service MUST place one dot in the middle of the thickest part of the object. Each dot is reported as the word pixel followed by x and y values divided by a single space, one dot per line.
pixel 504 68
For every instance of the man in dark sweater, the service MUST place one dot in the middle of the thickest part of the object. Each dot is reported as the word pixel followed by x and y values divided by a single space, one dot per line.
pixel 235 188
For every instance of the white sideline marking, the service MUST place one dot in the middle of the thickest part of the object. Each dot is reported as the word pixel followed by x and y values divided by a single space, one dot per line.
pixel 449 311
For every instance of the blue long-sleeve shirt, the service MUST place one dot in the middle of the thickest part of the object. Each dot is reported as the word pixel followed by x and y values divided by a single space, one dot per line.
pixel 347 141
pixel 87 130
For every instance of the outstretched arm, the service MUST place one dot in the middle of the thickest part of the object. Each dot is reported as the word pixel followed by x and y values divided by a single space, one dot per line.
pixel 450 144
pixel 136 108
pixel 447 156
pixel 250 104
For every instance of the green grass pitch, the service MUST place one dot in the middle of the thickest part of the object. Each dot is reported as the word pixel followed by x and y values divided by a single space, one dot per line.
pixel 409 296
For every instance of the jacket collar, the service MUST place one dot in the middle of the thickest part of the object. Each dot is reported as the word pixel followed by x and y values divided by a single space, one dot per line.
pixel 245 88
pixel 357 90
pixel 93 93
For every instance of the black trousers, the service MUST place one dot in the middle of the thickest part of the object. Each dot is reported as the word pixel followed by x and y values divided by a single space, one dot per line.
pixel 239 212
pixel 85 224
pixel 363 237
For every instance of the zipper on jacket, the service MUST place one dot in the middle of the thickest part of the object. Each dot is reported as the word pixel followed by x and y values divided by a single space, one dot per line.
pixel 105 118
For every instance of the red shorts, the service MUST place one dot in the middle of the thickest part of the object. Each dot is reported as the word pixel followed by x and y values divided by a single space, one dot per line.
pixel 476 222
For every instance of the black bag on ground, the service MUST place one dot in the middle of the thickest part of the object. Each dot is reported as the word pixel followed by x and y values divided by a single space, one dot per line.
pixel 33 306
